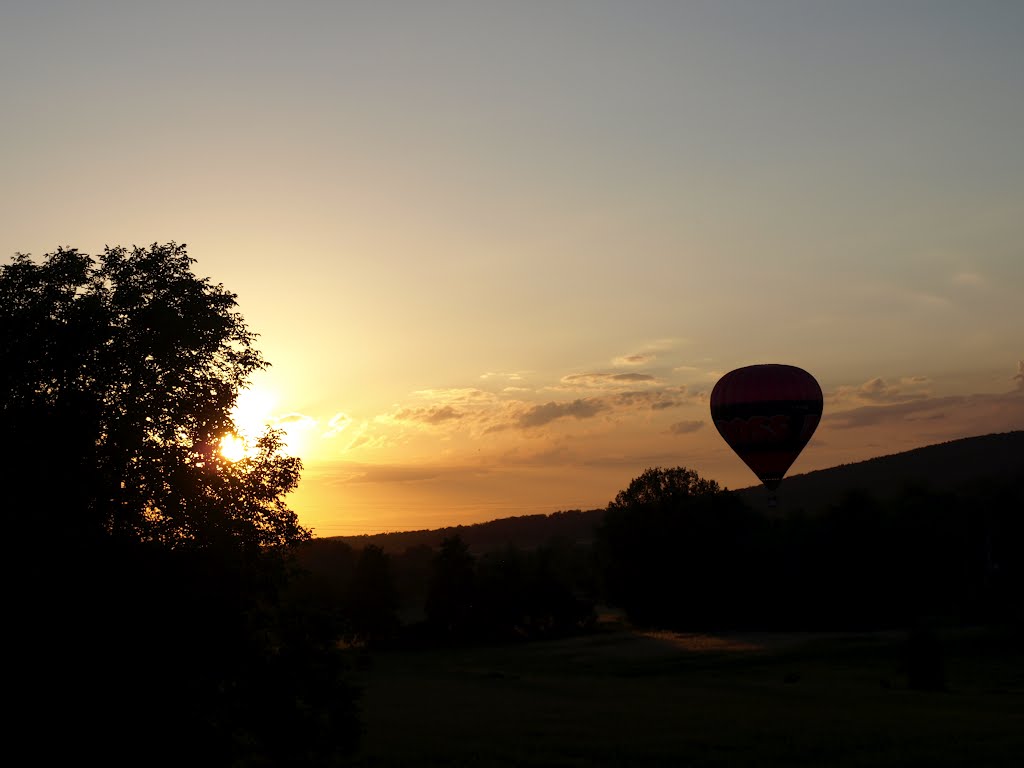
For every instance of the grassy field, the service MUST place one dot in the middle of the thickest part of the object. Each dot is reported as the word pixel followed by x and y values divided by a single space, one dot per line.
pixel 622 698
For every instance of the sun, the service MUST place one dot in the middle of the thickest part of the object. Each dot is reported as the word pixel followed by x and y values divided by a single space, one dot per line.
pixel 233 447
pixel 252 414
pixel 255 410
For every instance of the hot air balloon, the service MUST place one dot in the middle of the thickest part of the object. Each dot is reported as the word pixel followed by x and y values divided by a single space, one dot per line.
pixel 767 413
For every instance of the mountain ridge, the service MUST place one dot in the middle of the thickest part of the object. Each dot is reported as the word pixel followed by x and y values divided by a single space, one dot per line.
pixel 951 466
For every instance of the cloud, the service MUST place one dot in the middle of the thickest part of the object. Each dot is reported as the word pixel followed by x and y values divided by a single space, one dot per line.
pixel 583 408
pixel 632 377
pixel 539 415
pixel 871 415
pixel 655 399
pixel 604 380
pixel 513 376
pixel 684 427
pixel 972 279
pixel 452 395
pixel 661 405
pixel 395 474
pixel 980 412
pixel 337 424
pixel 443 406
pixel 640 359
pixel 432 415
pixel 472 412
pixel 361 440
pixel 878 391
pixel 295 419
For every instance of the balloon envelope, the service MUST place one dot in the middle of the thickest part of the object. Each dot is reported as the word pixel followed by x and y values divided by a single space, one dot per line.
pixel 767 413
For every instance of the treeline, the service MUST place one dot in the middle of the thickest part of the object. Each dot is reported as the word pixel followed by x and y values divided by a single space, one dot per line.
pixel 445 594
pixel 674 550
pixel 699 559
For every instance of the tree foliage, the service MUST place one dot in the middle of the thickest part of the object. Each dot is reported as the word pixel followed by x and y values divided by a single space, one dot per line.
pixel 145 588
pixel 118 375
pixel 661 487
pixel 452 594
pixel 372 600
pixel 669 544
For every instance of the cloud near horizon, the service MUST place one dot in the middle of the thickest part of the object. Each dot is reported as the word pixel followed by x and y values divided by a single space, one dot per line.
pixel 604 380
pixel 294 419
pixel 629 360
pixel 510 376
pixel 476 412
pixel 337 424
pixel 434 415
pixel 539 415
pixel 972 279
pixel 879 391
pixel 684 427
pixel 982 413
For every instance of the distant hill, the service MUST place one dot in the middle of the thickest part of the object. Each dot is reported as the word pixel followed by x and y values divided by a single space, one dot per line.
pixel 951 466
pixel 946 467
pixel 525 532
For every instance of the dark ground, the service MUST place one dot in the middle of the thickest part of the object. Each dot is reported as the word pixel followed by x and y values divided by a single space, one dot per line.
pixel 621 698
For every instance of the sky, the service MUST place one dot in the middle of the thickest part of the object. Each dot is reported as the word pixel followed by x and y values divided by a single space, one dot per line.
pixel 499 253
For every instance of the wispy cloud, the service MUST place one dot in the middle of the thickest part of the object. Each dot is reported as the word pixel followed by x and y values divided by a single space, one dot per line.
pixel 395 474
pixel 637 359
pixel 294 419
pixel 969 279
pixel 539 415
pixel 454 395
pixel 879 404
pixel 470 412
pixel 337 424
pixel 684 427
pixel 978 413
pixel 871 415
pixel 434 415
pixel 656 399
pixel 604 380
pixel 877 390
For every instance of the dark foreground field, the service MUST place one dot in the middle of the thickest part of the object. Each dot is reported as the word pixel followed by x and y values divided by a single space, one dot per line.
pixel 618 697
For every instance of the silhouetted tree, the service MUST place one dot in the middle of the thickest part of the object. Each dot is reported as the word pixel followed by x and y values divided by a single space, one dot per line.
pixel 529 595
pixel 663 488
pixel 372 601
pixel 846 567
pixel 673 546
pixel 117 380
pixel 146 570
pixel 501 585
pixel 553 605
pixel 451 597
